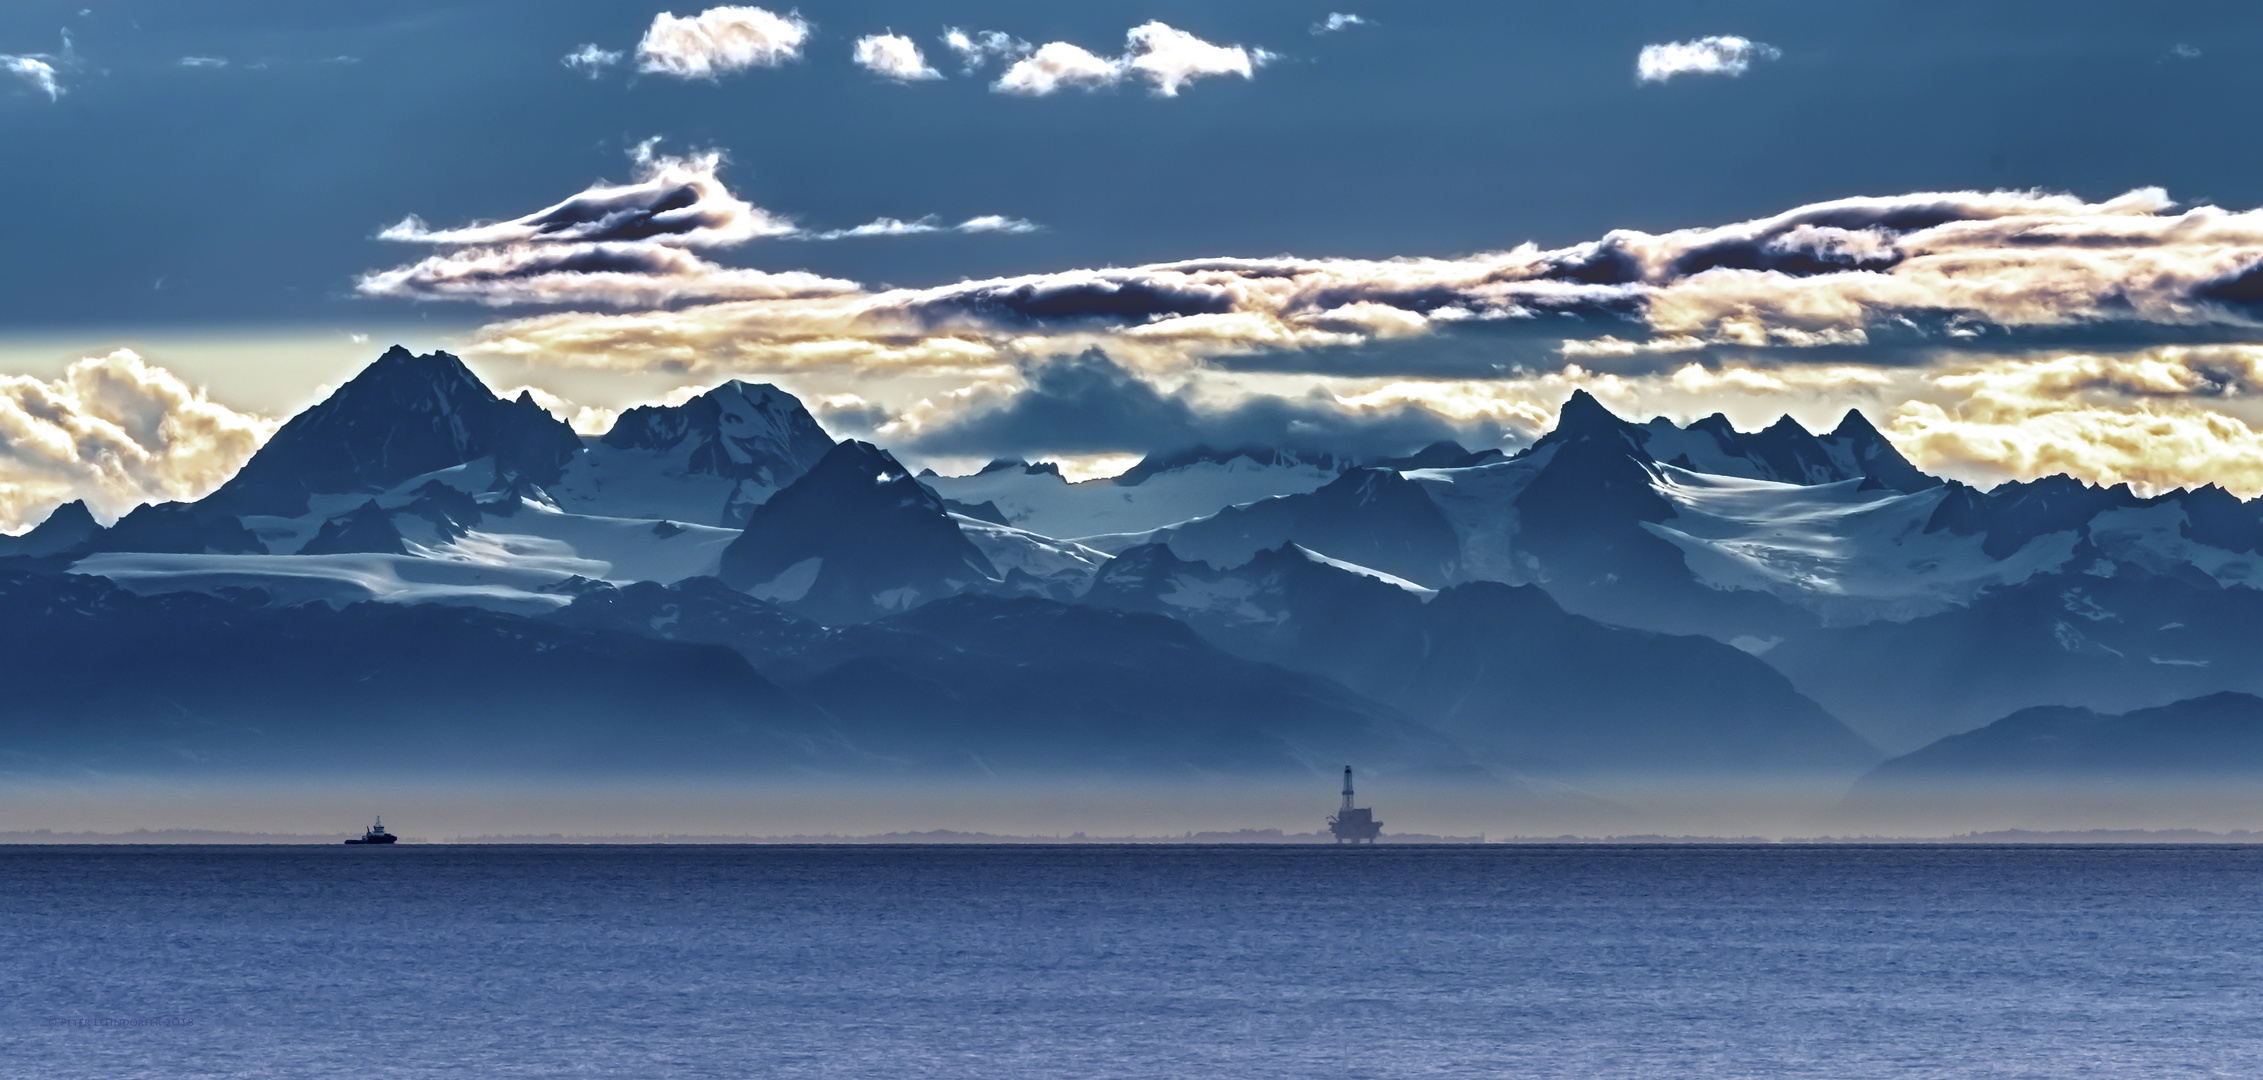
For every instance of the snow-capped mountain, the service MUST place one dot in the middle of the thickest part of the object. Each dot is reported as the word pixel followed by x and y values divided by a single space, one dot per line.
pixel 401 417
pixel 1618 598
pixel 1501 669
pixel 1160 490
pixel 709 461
pixel 855 538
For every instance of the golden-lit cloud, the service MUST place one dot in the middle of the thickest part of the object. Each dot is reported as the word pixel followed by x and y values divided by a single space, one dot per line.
pixel 116 431
pixel 2148 419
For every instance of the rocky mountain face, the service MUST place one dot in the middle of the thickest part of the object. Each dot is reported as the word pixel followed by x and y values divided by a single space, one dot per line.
pixel 854 538
pixel 1500 668
pixel 710 461
pixel 102 679
pixel 402 417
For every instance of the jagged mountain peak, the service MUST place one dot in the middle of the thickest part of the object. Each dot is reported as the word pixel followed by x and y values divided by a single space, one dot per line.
pixel 1854 425
pixel 856 537
pixel 402 416
pixel 1583 415
pixel 1788 428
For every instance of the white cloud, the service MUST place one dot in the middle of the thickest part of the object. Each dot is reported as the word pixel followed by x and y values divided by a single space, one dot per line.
pixel 995 223
pixel 1724 55
pixel 980 47
pixel 204 62
pixel 1170 57
pixel 676 201
pixel 888 226
pixel 1337 20
pixel 628 245
pixel 34 70
pixel 591 60
pixel 720 40
pixel 1164 55
pixel 116 431
pixel 623 275
pixel 1057 65
pixel 893 56
pixel 1891 277
pixel 2185 52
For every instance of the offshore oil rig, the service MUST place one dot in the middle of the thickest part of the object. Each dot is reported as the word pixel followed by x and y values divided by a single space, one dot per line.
pixel 1354 823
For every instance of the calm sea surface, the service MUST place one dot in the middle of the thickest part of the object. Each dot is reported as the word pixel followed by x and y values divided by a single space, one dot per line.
pixel 1062 962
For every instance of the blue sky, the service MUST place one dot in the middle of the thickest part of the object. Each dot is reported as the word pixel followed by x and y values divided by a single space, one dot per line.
pixel 206 184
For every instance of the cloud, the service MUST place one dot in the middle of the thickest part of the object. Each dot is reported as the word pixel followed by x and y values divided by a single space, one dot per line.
pixel 1058 65
pixel 888 226
pixel 1170 58
pixel 995 223
pixel 1336 21
pixel 617 245
pixel 603 274
pixel 1725 55
pixel 1165 56
pixel 628 246
pixel 982 46
pixel 720 40
pixel 847 415
pixel 116 431
pixel 591 60
pixel 2146 419
pixel 2185 52
pixel 678 201
pixel 893 56
pixel 1893 280
pixel 204 62
pixel 1089 404
pixel 34 70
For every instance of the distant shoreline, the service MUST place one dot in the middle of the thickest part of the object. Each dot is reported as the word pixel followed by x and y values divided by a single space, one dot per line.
pixel 1254 837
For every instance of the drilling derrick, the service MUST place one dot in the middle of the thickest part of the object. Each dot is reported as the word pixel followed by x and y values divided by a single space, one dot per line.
pixel 1354 823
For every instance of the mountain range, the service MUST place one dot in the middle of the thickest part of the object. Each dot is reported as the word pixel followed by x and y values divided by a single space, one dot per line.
pixel 422 568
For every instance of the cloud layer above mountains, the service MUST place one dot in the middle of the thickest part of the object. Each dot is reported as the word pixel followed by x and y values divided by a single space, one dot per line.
pixel 1893 277
pixel 2003 333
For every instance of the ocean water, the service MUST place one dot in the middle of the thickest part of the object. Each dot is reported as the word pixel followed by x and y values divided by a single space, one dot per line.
pixel 1073 961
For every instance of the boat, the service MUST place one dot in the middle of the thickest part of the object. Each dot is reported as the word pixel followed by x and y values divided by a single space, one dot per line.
pixel 376 835
pixel 1356 824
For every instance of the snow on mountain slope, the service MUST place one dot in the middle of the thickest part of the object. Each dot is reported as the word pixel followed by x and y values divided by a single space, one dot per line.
pixel 2160 537
pixel 504 563
pixel 337 580
pixel 1480 504
pixel 711 460
pixel 1037 498
pixel 1849 555
pixel 606 548
pixel 1062 562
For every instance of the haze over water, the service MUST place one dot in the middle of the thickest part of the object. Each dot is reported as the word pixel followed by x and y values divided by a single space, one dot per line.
pixel 1112 961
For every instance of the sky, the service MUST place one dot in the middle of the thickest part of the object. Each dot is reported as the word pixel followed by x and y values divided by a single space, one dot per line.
pixel 2022 239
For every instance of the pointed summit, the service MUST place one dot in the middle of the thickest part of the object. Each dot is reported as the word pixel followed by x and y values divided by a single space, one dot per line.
pixel 857 537
pixel 403 416
pixel 70 525
pixel 1854 425
pixel 1583 417
pixel 1787 428
pixel 1866 451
